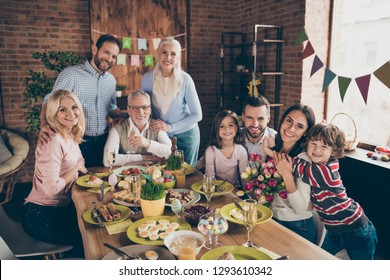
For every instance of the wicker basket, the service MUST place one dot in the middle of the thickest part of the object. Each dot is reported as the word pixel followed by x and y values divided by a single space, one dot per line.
pixel 351 142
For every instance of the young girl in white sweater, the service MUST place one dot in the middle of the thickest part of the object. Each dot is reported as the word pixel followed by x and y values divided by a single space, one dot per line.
pixel 225 157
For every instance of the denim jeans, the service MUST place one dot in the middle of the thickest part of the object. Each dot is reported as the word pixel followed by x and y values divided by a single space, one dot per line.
pixel 93 150
pixel 55 225
pixel 304 228
pixel 360 243
pixel 189 142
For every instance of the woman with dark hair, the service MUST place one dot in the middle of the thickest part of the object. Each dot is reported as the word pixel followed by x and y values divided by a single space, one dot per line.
pixel 293 212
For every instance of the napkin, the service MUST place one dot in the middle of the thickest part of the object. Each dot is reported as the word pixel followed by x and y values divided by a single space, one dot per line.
pixel 97 190
pixel 268 252
pixel 119 227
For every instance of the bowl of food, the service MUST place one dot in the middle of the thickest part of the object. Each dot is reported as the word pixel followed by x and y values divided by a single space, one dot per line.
pixel 193 211
pixel 171 241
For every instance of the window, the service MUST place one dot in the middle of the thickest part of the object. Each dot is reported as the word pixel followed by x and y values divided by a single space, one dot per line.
pixel 361 45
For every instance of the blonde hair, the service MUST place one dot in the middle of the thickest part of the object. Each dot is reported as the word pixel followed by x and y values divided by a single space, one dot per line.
pixel 158 78
pixel 52 110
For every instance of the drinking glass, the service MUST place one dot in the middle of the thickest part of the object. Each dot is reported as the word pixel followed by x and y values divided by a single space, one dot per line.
pixel 134 186
pixel 110 154
pixel 208 187
pixel 250 219
pixel 187 247
pixel 180 153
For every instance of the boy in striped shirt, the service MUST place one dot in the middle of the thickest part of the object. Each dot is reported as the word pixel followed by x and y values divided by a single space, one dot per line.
pixel 344 219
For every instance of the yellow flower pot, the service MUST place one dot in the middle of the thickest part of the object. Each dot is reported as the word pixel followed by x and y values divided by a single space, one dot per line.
pixel 152 208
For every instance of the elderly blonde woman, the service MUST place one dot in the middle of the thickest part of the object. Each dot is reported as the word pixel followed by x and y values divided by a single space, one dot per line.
pixel 175 101
pixel 49 214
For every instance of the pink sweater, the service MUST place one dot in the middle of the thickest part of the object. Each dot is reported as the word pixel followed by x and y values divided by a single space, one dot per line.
pixel 51 161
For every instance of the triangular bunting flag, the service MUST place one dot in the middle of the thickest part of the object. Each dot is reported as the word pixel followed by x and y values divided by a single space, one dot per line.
pixel 121 59
pixel 317 65
pixel 156 42
pixel 383 74
pixel 142 44
pixel 308 51
pixel 302 37
pixel 343 86
pixel 148 60
pixel 134 60
pixel 126 43
pixel 363 84
pixel 328 78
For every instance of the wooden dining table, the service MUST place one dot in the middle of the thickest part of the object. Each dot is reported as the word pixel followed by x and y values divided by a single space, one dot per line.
pixel 269 235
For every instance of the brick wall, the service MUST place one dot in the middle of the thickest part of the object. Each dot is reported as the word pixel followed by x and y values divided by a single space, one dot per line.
pixel 28 26
pixel 31 26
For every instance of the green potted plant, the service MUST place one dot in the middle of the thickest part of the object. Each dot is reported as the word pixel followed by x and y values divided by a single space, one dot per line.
pixel 119 88
pixel 152 199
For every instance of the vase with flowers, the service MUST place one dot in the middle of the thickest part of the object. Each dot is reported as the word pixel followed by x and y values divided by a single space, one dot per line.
pixel 263 181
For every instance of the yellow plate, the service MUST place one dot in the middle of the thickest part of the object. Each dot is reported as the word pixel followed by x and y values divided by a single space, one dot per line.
pixel 83 180
pixel 125 213
pixel 239 253
pixel 228 187
pixel 266 213
pixel 189 168
pixel 132 231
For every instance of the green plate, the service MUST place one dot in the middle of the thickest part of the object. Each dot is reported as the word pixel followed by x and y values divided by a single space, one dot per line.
pixel 83 180
pixel 239 253
pixel 132 231
pixel 189 168
pixel 228 187
pixel 266 213
pixel 125 213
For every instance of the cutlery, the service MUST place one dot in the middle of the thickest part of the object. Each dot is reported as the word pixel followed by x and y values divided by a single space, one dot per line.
pixel 238 205
pixel 101 198
pixel 219 188
pixel 96 215
pixel 282 258
pixel 122 253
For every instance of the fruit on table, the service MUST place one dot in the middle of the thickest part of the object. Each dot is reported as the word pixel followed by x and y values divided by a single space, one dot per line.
pixel 369 154
pixel 385 157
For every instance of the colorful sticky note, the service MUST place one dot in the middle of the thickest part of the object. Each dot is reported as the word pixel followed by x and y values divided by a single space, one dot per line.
pixel 343 86
pixel 317 65
pixel 308 51
pixel 301 36
pixel 134 60
pixel 383 74
pixel 142 44
pixel 363 83
pixel 156 43
pixel 328 78
pixel 121 59
pixel 149 60
pixel 126 43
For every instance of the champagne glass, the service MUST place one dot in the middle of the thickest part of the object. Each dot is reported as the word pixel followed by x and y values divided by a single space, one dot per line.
pixel 134 187
pixel 208 187
pixel 250 219
pixel 130 134
pixel 110 154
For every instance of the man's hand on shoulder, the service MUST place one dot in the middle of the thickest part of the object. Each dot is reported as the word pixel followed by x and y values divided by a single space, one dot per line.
pixel 46 134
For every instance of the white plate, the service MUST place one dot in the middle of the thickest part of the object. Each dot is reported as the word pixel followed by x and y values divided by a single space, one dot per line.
pixel 139 250
pixel 118 171
pixel 125 203
pixel 195 198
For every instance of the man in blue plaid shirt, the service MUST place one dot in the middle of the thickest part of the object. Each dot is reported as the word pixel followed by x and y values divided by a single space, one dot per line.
pixel 95 88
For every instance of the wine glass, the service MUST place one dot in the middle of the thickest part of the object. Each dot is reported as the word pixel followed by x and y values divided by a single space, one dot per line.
pixel 208 187
pixel 212 225
pixel 130 134
pixel 250 219
pixel 110 154
pixel 134 186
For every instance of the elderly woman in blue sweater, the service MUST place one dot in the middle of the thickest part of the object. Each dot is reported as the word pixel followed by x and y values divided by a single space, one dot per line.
pixel 175 102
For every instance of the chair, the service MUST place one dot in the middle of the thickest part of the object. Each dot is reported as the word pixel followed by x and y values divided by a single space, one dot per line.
pixel 5 251
pixel 19 148
pixel 320 229
pixel 23 245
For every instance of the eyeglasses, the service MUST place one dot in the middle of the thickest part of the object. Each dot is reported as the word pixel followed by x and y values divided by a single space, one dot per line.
pixel 137 108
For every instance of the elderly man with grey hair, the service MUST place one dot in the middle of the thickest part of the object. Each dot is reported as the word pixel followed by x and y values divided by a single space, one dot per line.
pixel 133 140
